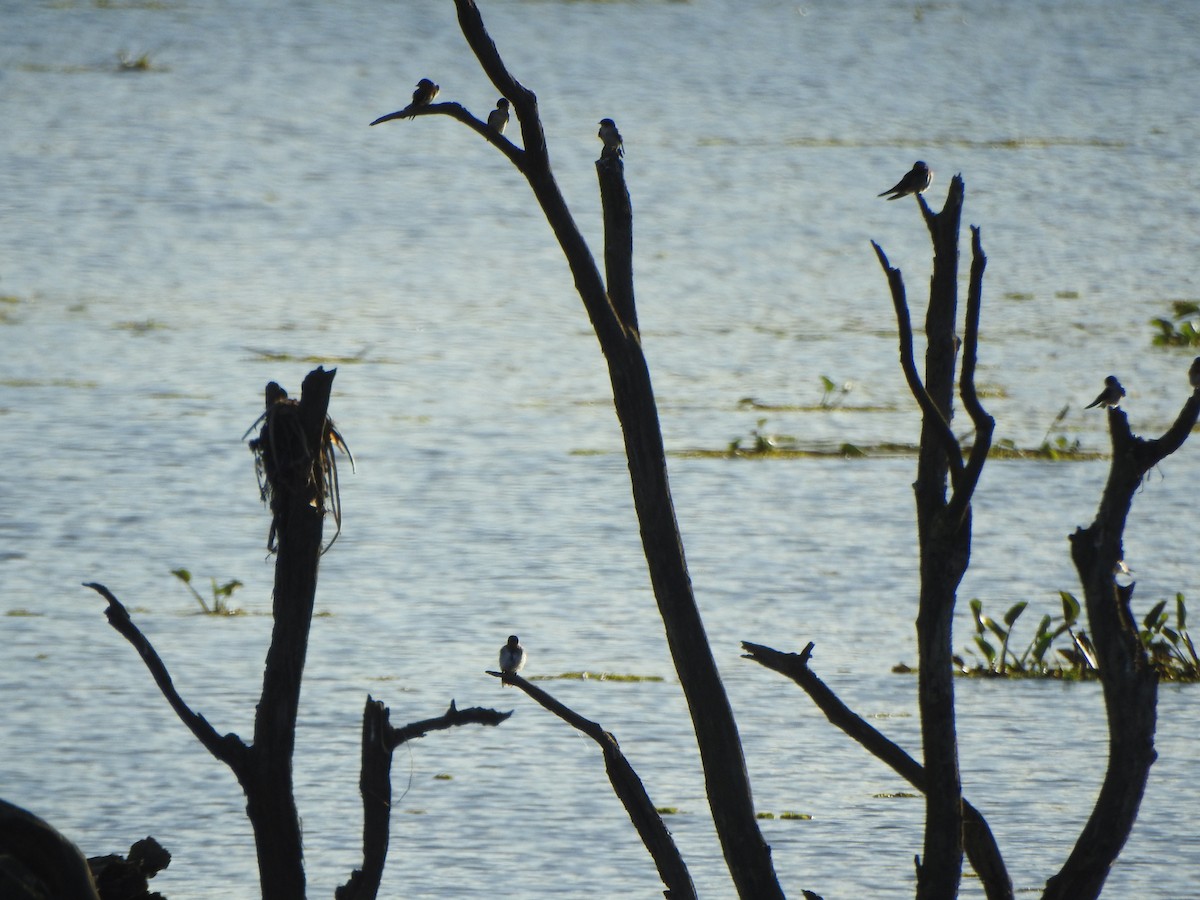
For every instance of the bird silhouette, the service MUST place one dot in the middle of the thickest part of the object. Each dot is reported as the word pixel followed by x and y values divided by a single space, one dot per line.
pixel 422 96
pixel 1111 395
pixel 918 179
pixel 613 145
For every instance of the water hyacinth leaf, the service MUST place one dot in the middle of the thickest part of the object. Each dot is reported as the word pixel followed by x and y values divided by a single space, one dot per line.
pixel 989 651
pixel 1070 607
pixel 1180 613
pixel 1154 619
pixel 1014 613
pixel 977 613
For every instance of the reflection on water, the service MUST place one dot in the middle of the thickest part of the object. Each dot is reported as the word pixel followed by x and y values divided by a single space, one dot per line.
pixel 178 236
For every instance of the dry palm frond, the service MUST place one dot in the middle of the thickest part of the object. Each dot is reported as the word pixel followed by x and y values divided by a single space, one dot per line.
pixel 284 461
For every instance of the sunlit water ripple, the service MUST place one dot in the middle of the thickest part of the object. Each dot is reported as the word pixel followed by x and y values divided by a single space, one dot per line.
pixel 175 238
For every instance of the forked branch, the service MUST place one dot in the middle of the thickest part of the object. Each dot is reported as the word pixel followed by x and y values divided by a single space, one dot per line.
pixel 978 841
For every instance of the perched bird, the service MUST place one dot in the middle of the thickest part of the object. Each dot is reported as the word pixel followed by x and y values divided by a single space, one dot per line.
pixel 422 96
pixel 613 146
pixel 498 117
pixel 917 181
pixel 512 656
pixel 425 92
pixel 1194 373
pixel 1111 395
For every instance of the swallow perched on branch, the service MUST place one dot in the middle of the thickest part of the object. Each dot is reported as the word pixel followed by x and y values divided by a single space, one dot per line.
pixel 424 94
pixel 512 655
pixel 498 117
pixel 917 181
pixel 613 145
pixel 1111 395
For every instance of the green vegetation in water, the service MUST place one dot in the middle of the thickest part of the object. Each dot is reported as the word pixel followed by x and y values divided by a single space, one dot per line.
pixel 20 613
pixel 595 676
pixel 443 776
pixel 1182 329
pixel 895 795
pixel 802 817
pixel 220 594
pixel 1168 645
pixel 127 62
pixel 1058 448
pixel 833 394
pixel 142 327
pixel 667 810
pixel 8 308
pixel 764 815
pixel 281 357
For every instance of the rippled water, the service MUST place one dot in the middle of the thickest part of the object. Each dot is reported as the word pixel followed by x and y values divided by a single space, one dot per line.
pixel 174 238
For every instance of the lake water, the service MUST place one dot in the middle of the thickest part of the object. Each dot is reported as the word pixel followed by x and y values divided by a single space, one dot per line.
pixel 175 238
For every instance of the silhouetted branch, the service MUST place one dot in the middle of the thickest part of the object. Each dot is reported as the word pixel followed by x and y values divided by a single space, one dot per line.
pixel 452 718
pixel 746 853
pixel 979 843
pixel 908 364
pixel 627 786
pixel 964 488
pixel 1129 680
pixel 379 739
pixel 230 749
pixel 460 113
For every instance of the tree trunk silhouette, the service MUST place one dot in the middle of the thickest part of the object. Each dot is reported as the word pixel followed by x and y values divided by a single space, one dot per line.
pixel 293 449
pixel 943 524
pixel 611 311
pixel 1129 680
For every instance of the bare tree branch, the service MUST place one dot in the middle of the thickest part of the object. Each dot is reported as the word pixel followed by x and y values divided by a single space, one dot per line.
pixel 1129 680
pixel 459 112
pixel 379 739
pixel 964 487
pixel 979 843
pixel 452 718
pixel 627 786
pixel 746 853
pixel 229 749
pixel 908 364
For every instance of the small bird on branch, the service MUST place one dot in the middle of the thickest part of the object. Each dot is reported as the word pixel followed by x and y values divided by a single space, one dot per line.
pixel 498 117
pixel 613 145
pixel 1111 395
pixel 917 181
pixel 512 656
pixel 424 95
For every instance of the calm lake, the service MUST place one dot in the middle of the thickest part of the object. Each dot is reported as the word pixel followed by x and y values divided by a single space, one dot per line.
pixel 176 236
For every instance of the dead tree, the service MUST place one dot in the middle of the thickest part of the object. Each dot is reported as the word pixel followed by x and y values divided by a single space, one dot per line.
pixel 294 453
pixel 943 523
pixel 1129 680
pixel 610 307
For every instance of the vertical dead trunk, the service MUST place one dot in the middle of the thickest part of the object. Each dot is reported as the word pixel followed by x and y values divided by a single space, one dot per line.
pixel 292 445
pixel 943 524
pixel 1130 682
